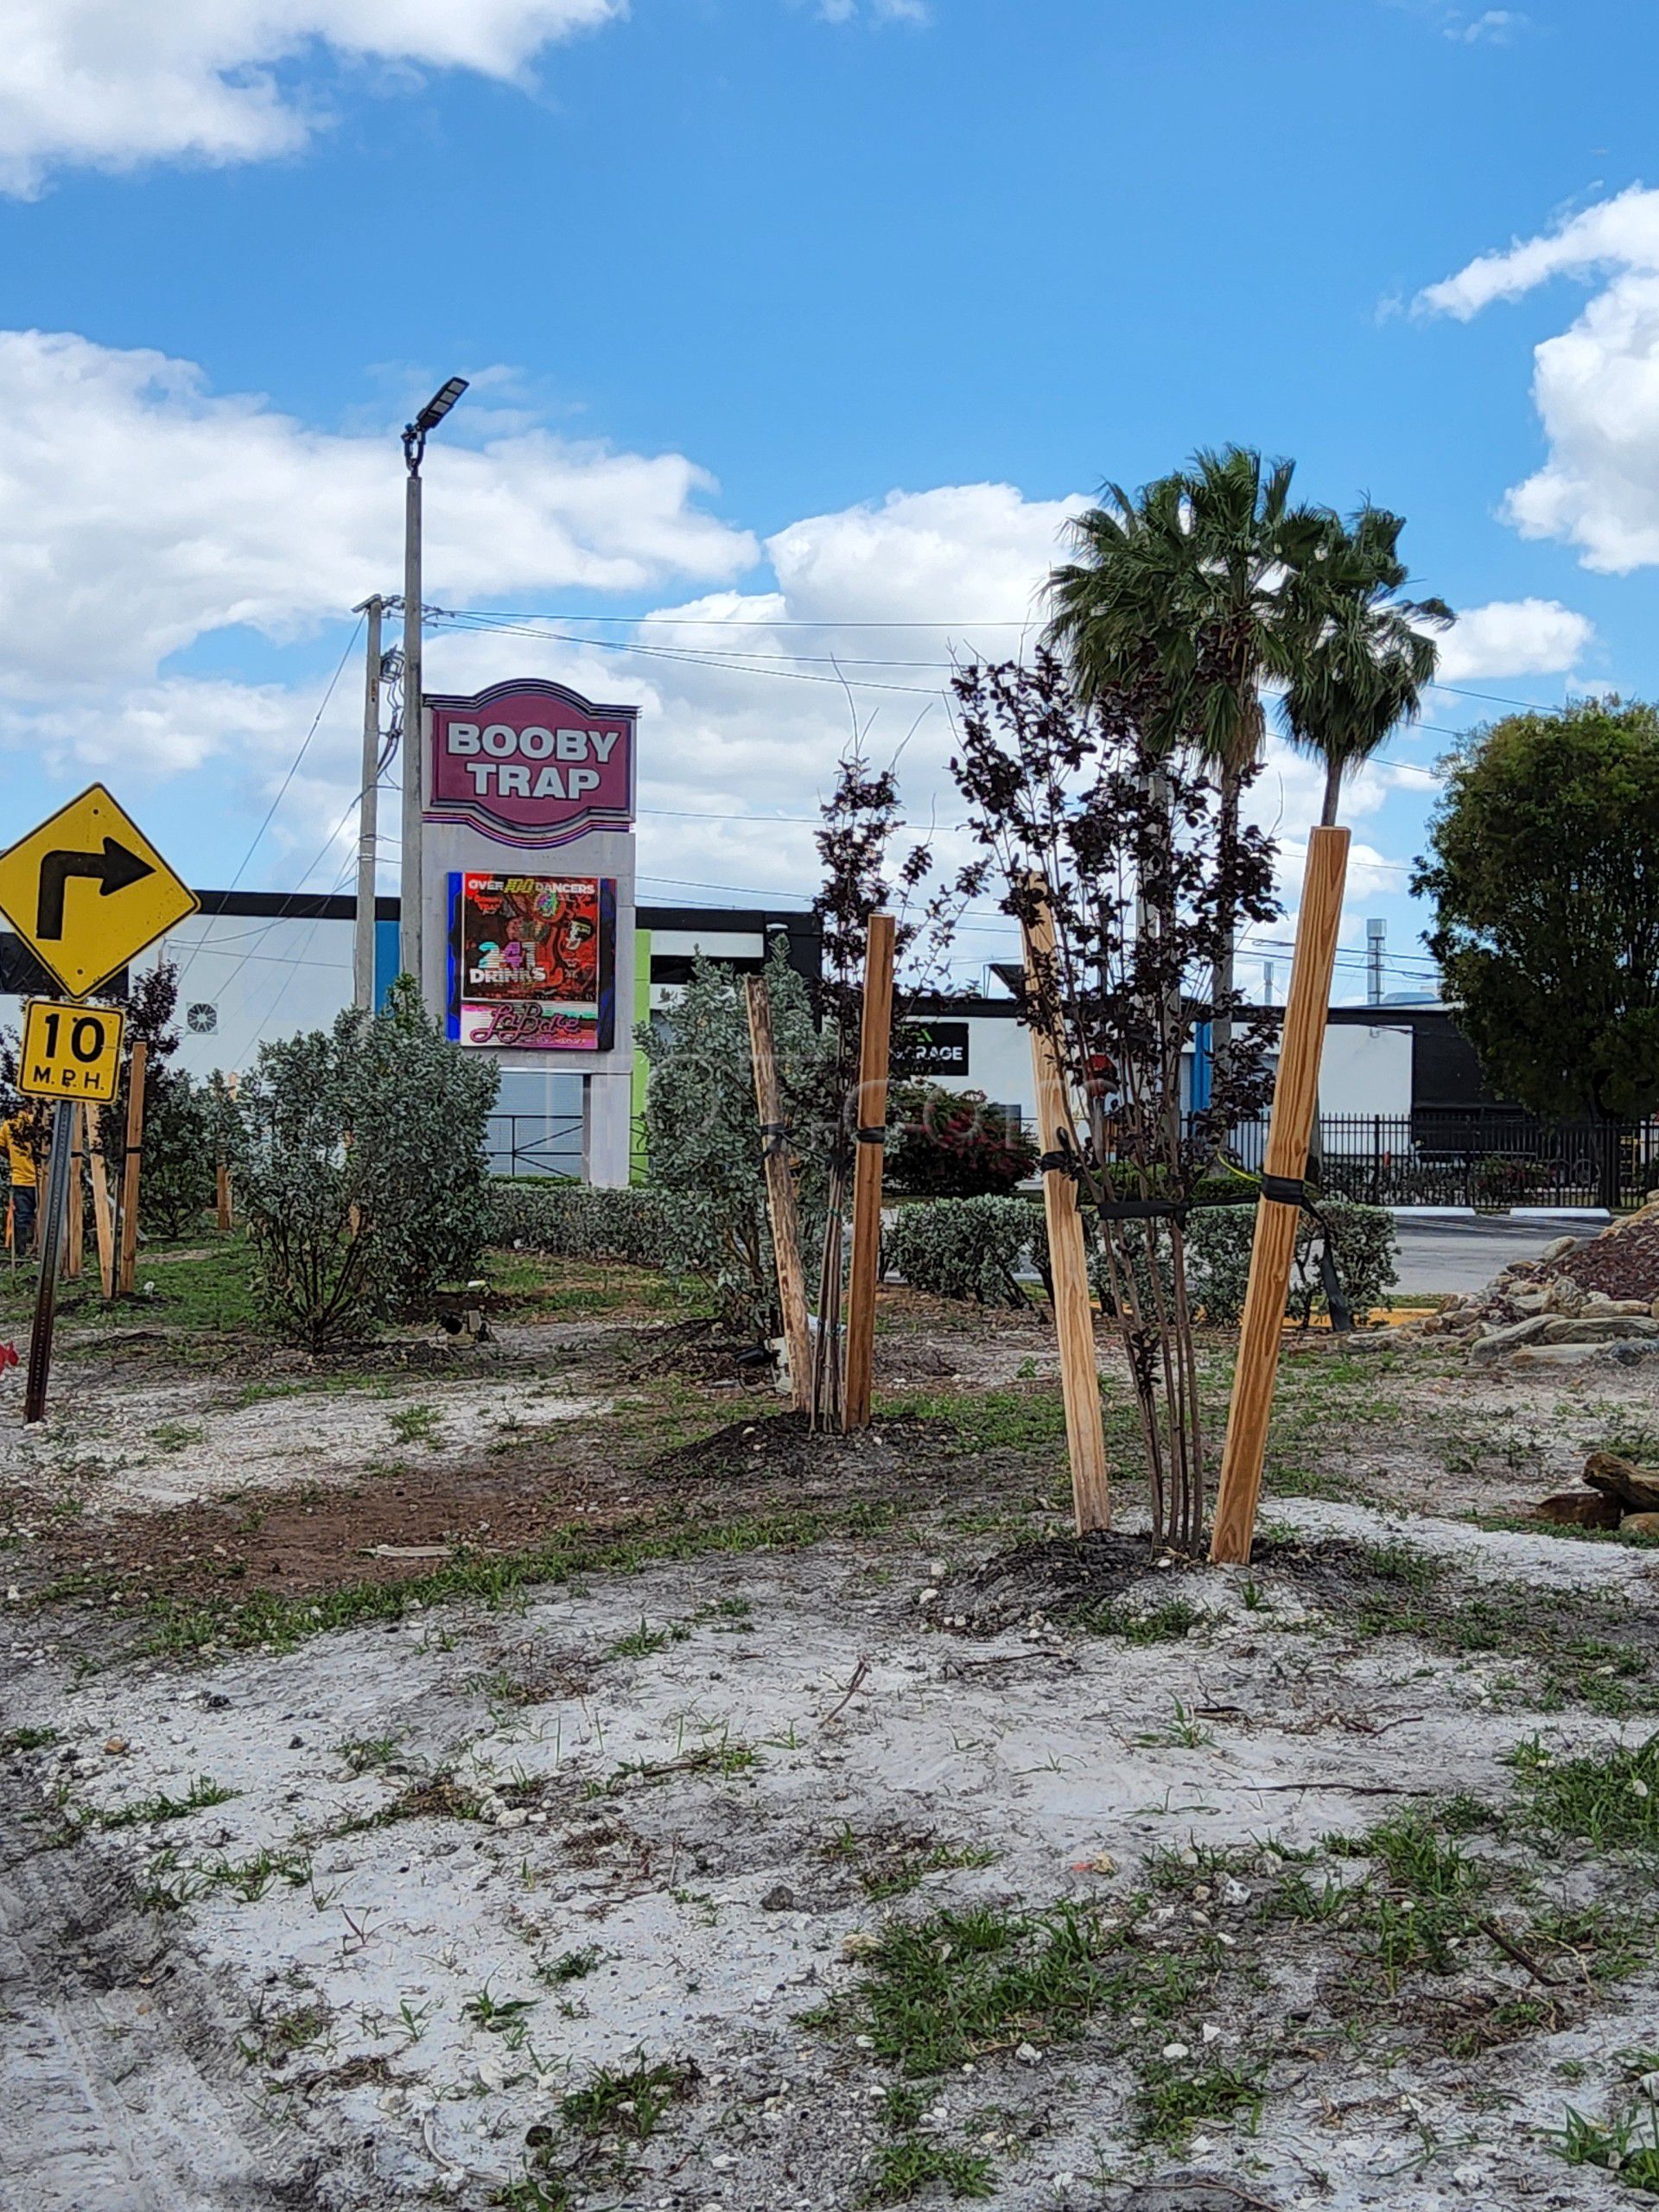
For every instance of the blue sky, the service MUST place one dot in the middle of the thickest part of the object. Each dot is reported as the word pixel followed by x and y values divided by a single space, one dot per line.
pixel 783 313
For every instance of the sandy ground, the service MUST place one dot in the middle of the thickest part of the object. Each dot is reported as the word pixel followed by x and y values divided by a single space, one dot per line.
pixel 671 1810
pixel 359 1919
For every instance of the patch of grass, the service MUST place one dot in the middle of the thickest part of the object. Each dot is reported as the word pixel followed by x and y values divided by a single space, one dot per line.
pixel 908 1868
pixel 176 1435
pixel 208 1290
pixel 1429 1902
pixel 1573 1644
pixel 1618 2147
pixel 203 1791
pixel 415 1424
pixel 28 1739
pixel 1031 1420
pixel 644 1641
pixel 535 2193
pixel 367 1754
pixel 627 2102
pixel 937 1993
pixel 1609 1800
pixel 1327 1483
pixel 496 2015
pixel 1182 1731
pixel 569 1966
pixel 1599 1942
pixel 1167 1623
pixel 903 2170
pixel 1174 2094
pixel 272 2039
pixel 171 1885
pixel 1632 1438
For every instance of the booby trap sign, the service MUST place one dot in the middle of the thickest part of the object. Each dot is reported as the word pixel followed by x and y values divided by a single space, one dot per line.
pixel 531 962
pixel 530 763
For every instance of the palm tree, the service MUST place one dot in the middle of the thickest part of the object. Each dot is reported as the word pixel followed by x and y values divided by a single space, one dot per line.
pixel 1371 657
pixel 1192 595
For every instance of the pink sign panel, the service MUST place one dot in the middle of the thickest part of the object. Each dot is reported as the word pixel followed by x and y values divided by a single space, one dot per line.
pixel 530 763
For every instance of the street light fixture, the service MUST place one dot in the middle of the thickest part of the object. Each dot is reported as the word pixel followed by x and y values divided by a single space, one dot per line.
pixel 410 886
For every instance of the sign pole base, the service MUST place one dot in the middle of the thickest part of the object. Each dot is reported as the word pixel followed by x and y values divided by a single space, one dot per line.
pixel 46 1297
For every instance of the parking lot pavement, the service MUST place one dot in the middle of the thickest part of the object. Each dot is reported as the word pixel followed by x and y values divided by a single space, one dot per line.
pixel 1452 1255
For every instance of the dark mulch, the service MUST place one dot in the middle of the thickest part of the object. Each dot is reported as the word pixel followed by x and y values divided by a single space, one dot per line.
pixel 782 1448
pixel 1624 1261
pixel 1055 1576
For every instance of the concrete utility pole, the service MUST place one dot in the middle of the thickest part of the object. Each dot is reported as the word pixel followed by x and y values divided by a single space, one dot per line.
pixel 411 887
pixel 368 814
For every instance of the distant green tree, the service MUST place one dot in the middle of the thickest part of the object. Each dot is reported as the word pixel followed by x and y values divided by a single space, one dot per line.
pixel 1544 870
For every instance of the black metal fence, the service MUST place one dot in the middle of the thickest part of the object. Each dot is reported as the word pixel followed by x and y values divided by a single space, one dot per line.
pixel 1487 1157
pixel 535 1144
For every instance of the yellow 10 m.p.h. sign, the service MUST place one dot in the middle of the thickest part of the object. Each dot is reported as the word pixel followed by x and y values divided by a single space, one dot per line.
pixel 71 1051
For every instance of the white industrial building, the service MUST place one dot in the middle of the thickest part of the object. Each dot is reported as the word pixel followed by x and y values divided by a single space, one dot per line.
pixel 257 965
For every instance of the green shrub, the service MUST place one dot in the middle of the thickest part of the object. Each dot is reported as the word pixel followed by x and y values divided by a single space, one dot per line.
pixel 359 1152
pixel 1218 1242
pixel 954 1144
pixel 1364 1243
pixel 573 1221
pixel 964 1248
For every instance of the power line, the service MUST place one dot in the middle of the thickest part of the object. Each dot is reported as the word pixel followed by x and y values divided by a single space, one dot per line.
pixel 800 672
pixel 293 771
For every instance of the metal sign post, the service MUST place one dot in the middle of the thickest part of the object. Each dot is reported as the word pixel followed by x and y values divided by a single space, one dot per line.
pixel 46 1296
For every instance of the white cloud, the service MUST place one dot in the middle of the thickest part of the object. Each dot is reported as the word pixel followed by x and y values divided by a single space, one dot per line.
pixel 1622 232
pixel 1517 636
pixel 116 83
pixel 1596 384
pixel 1496 27
pixel 143 516
pixel 148 512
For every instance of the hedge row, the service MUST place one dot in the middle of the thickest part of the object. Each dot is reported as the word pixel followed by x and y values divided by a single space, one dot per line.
pixel 973 1248
pixel 970 1248
pixel 574 1221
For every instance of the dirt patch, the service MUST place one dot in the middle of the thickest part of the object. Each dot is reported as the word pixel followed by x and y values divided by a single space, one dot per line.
pixel 784 1835
pixel 393 1528
pixel 699 1351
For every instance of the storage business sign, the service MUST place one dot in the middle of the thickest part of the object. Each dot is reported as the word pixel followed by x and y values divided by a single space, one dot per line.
pixel 941 1046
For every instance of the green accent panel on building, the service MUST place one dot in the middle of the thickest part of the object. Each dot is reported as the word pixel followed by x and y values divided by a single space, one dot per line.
pixel 641 1012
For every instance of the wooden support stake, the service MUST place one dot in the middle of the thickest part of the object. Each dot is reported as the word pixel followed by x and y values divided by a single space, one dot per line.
pixel 102 1212
pixel 1074 1320
pixel 875 1049
pixel 75 1228
pixel 780 1194
pixel 1295 1094
pixel 130 1166
pixel 222 1183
